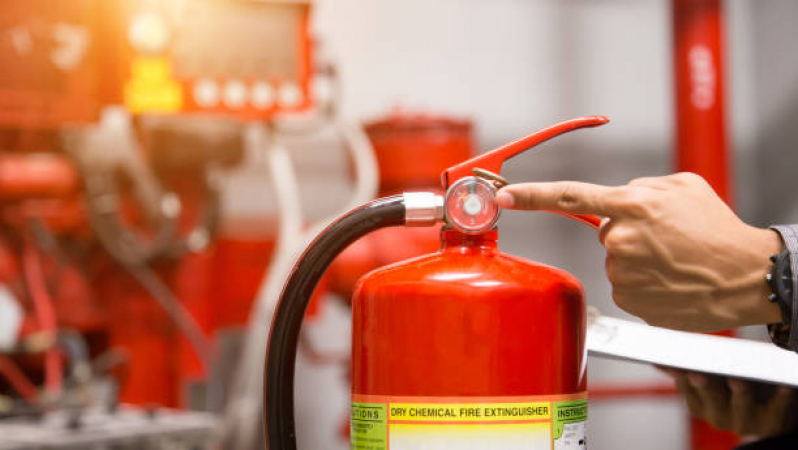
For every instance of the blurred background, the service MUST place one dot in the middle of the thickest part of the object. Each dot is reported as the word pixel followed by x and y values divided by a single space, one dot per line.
pixel 162 163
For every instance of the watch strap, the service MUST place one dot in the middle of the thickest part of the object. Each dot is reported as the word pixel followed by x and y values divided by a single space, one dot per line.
pixel 789 331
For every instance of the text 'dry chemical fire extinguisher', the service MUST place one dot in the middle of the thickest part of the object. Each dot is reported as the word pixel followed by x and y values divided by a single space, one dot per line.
pixel 466 348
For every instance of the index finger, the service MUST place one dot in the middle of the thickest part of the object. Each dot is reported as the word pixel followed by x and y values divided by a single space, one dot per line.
pixel 571 197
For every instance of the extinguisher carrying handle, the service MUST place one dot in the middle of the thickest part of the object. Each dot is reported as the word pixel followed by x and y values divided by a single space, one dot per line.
pixel 409 209
pixel 492 160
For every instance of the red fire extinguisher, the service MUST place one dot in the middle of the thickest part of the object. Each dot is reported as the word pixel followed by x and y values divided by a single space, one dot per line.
pixel 464 348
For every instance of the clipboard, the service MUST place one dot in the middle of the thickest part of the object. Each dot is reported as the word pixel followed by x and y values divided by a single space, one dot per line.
pixel 608 337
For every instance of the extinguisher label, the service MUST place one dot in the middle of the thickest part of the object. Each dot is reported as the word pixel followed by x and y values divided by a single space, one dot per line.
pixel 469 423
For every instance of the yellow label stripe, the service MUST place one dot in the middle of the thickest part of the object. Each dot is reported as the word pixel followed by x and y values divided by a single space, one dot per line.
pixel 469 412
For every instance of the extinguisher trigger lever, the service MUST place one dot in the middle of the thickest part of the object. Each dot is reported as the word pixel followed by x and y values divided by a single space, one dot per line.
pixel 492 160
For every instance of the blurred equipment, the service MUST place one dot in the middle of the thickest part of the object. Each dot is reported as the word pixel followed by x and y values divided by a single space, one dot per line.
pixel 127 428
pixel 520 357
pixel 242 58
pixel 194 76
pixel 118 119
pixel 412 150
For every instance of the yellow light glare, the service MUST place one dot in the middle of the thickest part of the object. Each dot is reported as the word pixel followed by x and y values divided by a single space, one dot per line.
pixel 148 33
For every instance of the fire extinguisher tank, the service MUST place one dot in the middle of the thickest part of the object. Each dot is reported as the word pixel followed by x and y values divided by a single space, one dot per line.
pixel 464 349
pixel 468 321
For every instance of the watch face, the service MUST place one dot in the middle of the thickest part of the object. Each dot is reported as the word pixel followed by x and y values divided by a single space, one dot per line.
pixel 781 283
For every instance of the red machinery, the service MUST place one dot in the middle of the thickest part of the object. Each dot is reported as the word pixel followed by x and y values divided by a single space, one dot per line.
pixel 184 66
pixel 236 58
pixel 179 68
pixel 54 81
pixel 464 346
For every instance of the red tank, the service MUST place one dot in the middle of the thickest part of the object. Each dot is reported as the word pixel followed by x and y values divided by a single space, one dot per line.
pixel 475 345
pixel 468 321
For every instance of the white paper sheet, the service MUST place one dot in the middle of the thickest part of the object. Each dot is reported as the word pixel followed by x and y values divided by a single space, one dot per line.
pixel 737 358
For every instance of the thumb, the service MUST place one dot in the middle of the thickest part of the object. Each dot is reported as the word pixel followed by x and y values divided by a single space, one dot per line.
pixel 563 196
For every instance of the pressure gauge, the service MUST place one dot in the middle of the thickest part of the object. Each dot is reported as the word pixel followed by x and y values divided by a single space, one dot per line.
pixel 471 205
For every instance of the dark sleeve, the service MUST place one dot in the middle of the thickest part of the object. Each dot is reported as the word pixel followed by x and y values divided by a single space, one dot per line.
pixel 785 335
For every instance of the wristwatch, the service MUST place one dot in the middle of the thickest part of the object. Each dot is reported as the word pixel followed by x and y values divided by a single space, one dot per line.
pixel 782 280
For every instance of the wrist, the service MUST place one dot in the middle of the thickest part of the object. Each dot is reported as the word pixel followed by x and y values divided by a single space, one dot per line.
pixel 748 290
pixel 767 312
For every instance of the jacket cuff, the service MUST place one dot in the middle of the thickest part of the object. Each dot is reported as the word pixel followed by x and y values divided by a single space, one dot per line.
pixel 785 335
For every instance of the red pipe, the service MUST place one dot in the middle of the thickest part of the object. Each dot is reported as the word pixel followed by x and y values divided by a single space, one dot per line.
pixel 45 314
pixel 701 141
pixel 701 144
pixel 25 175
pixel 17 379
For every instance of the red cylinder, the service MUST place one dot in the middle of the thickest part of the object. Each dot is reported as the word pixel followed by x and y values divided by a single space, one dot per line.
pixel 468 346
pixel 413 150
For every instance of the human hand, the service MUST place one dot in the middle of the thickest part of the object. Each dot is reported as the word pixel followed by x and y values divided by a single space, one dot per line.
pixel 677 256
pixel 744 407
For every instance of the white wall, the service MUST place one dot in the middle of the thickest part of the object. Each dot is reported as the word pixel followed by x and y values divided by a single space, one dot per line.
pixel 512 65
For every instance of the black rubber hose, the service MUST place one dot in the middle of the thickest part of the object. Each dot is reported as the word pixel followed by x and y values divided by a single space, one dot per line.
pixel 278 389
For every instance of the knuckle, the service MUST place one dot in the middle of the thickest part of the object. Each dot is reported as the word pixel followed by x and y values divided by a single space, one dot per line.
pixel 569 197
pixel 689 179
pixel 639 203
pixel 632 199
pixel 618 238
pixel 643 181
pixel 644 203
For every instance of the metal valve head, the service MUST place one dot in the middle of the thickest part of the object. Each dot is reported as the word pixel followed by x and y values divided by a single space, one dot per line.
pixel 470 205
